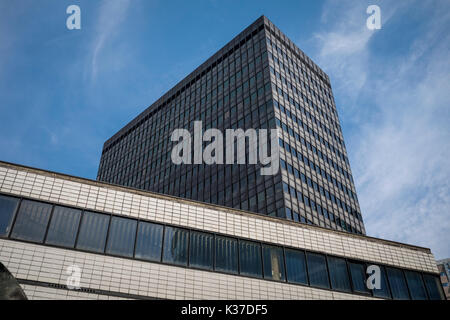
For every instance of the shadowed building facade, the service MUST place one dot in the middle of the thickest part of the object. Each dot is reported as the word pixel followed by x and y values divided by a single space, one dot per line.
pixel 259 80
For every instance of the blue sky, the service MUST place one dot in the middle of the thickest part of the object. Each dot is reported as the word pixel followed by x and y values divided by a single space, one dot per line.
pixel 64 92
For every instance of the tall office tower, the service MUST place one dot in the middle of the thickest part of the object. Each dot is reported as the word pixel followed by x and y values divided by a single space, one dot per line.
pixel 444 269
pixel 259 80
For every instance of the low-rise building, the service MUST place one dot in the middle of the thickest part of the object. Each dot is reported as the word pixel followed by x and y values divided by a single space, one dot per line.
pixel 64 237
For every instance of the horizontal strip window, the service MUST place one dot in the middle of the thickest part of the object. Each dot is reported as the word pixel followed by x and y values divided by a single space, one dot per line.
pixel 324 173
pixel 45 223
pixel 311 64
pixel 301 124
pixel 295 88
pixel 321 155
pixel 315 206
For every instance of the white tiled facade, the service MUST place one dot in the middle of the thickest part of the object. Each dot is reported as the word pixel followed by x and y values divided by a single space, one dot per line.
pixel 128 277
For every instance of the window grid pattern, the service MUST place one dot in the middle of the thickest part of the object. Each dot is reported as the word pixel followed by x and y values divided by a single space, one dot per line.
pixel 235 88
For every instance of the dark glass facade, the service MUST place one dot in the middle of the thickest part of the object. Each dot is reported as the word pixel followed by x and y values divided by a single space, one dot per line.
pixel 259 80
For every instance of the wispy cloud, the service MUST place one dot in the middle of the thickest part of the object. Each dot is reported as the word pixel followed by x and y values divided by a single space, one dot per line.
pixel 397 111
pixel 111 14
pixel 343 46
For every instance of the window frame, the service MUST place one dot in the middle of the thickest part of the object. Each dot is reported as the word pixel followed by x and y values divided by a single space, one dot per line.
pixel 81 211
pixel 14 214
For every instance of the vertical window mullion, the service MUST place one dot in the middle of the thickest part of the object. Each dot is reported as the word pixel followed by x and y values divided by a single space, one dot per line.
pixel 48 224
pixel 79 228
pixel 135 237
pixel 108 230
pixel 13 216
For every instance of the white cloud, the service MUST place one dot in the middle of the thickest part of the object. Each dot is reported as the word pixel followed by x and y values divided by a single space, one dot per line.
pixel 397 110
pixel 111 14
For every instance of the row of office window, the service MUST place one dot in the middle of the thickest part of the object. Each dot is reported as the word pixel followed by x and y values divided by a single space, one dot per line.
pixel 315 206
pixel 303 59
pixel 41 222
pixel 300 83
pixel 312 133
pixel 183 112
pixel 284 94
pixel 316 151
pixel 318 188
pixel 293 77
pixel 308 163
pixel 119 166
pixel 332 163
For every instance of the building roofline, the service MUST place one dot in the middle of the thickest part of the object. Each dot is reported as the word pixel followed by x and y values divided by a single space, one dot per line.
pixel 97 183
pixel 181 83
pixel 262 21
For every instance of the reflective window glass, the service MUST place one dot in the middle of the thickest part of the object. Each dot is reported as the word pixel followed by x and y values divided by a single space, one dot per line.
pixel 122 234
pixel 434 288
pixel 63 226
pixel 149 241
pixel 338 274
pixel 296 266
pixel 415 285
pixel 317 270
pixel 31 222
pixel 201 250
pixel 383 291
pixel 358 277
pixel 93 230
pixel 273 263
pixel 250 258
pixel 397 283
pixel 8 206
pixel 226 255
pixel 175 245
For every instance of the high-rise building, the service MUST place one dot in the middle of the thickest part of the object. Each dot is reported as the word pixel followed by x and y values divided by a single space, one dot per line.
pixel 259 80
pixel 444 270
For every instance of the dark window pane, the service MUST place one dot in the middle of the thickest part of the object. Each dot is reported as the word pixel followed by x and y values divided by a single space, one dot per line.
pixel 122 234
pixel 226 254
pixel 149 241
pixel 31 222
pixel 317 270
pixel 94 227
pixel 201 250
pixel 383 292
pixel 415 285
pixel 63 226
pixel 358 276
pixel 338 274
pixel 434 287
pixel 8 206
pixel 296 266
pixel 273 263
pixel 175 246
pixel 398 284
pixel 250 258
